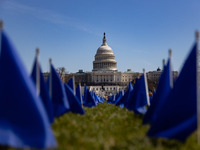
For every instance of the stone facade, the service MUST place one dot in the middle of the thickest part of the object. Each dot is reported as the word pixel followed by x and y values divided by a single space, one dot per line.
pixel 104 79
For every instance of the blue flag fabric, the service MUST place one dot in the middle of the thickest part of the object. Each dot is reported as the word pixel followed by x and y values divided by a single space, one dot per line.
pixel 101 99
pixel 75 106
pixel 98 98
pixel 111 99
pixel 44 93
pixel 85 94
pixel 79 94
pixel 125 98
pixel 95 97
pixel 23 120
pixel 159 98
pixel 118 97
pixel 138 97
pixel 59 98
pixel 71 84
pixel 88 99
pixel 177 118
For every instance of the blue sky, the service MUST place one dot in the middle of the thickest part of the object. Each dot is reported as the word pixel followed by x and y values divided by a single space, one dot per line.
pixel 140 32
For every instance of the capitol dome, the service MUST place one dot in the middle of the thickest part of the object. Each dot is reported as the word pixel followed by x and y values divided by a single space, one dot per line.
pixel 104 58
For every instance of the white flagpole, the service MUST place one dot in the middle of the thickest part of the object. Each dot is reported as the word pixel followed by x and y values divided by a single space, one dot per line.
pixel 81 95
pixel 171 73
pixel 1 29
pixel 37 71
pixel 163 61
pixel 50 78
pixel 146 87
pixel 74 85
pixel 198 89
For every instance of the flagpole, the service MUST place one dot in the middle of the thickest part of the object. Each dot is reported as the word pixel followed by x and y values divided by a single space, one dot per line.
pixel 50 78
pixel 163 62
pixel 1 29
pixel 37 71
pixel 74 90
pixel 146 87
pixel 198 89
pixel 170 71
pixel 81 95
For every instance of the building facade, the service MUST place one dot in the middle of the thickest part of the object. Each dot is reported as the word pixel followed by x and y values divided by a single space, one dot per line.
pixel 104 79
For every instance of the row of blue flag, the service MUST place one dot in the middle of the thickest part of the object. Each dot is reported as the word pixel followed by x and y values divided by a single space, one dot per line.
pixel 29 105
pixel 173 112
pixel 135 99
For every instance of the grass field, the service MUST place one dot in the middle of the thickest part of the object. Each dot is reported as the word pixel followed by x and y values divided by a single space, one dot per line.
pixel 110 127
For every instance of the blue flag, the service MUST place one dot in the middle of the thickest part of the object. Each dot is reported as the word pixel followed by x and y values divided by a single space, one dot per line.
pixel 59 98
pixel 79 94
pixel 118 97
pixel 100 99
pixel 75 106
pixel 97 98
pixel 125 98
pixel 88 99
pixel 111 99
pixel 23 119
pixel 177 118
pixel 44 93
pixel 85 94
pixel 138 97
pixel 71 84
pixel 159 98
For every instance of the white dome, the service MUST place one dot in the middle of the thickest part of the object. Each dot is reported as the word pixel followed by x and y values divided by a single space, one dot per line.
pixel 104 49
pixel 104 58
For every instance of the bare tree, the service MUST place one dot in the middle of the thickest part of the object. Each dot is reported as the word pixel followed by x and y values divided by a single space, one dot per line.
pixel 61 72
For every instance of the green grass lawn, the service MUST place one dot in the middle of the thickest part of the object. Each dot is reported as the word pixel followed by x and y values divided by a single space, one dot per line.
pixel 109 127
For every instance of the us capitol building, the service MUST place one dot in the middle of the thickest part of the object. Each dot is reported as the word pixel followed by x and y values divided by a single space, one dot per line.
pixel 104 79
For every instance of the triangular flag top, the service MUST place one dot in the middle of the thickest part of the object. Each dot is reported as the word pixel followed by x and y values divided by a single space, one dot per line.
pixel 139 97
pixel 59 98
pixel 75 106
pixel 177 118
pixel 100 100
pixel 163 89
pixel 71 84
pixel 44 93
pixel 94 96
pixel 125 98
pixel 79 94
pixel 111 99
pixel 88 99
pixel 23 120
pixel 118 97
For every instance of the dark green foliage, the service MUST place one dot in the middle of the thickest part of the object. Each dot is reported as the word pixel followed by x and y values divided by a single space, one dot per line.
pixel 110 127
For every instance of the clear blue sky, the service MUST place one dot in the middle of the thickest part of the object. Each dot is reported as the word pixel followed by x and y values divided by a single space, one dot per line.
pixel 140 32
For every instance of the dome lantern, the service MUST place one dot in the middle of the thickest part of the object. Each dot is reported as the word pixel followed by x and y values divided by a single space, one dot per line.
pixel 104 39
